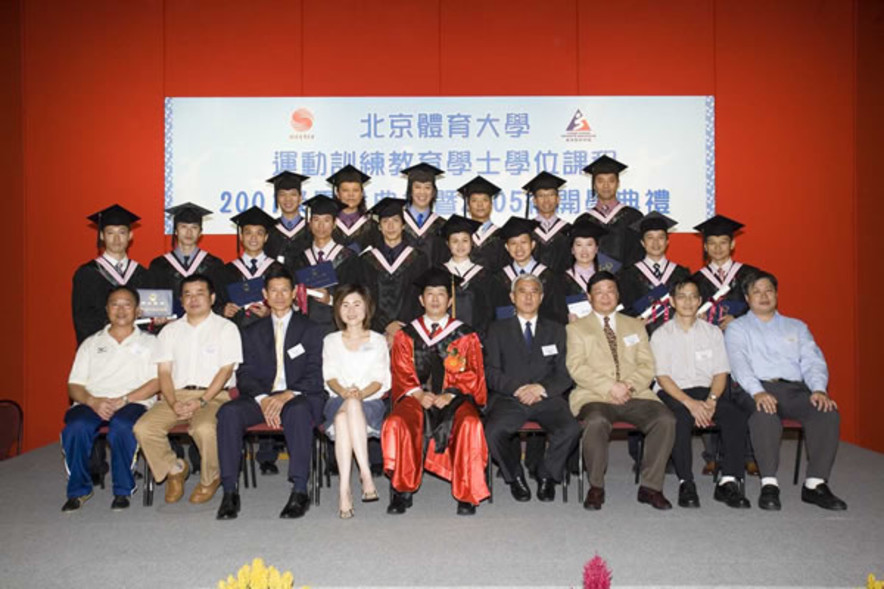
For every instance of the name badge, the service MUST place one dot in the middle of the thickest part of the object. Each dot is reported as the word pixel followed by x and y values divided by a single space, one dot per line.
pixel 701 355
pixel 210 350
pixel 296 351
pixel 792 339
pixel 550 350
pixel 631 339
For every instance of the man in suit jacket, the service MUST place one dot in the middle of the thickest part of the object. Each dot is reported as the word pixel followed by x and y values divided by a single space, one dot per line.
pixel 526 374
pixel 280 383
pixel 610 360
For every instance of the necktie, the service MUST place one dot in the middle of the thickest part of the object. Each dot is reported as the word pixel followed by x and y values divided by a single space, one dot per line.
pixel 433 329
pixel 254 265
pixel 529 336
pixel 657 273
pixel 612 343
pixel 721 274
pixel 522 271
pixel 320 256
pixel 420 219
pixel 186 260
pixel 604 209
pixel 120 267
pixel 279 339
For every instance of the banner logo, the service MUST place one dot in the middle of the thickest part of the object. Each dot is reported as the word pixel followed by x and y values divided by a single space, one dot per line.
pixel 578 129
pixel 302 120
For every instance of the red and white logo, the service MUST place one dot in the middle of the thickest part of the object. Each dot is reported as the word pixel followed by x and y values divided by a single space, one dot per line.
pixel 302 120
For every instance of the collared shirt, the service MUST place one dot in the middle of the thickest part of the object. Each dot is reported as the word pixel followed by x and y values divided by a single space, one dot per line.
pixel 442 322
pixel 584 273
pixel 524 320
pixel 181 255
pixel 349 218
pixel 690 358
pixel 391 253
pixel 461 267
pixel 724 267
pixel 280 384
pixel 198 352
pixel 123 263
pixel 247 260
pixel 485 227
pixel 780 348
pixel 547 223
pixel 418 214
pixel 662 262
pixel 289 223
pixel 108 368
pixel 326 250
pixel 612 319
pixel 528 267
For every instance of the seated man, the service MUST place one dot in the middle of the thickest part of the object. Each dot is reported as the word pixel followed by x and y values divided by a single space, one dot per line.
pixel 610 360
pixel 195 358
pixel 525 368
pixel 692 370
pixel 111 383
pixel 438 376
pixel 776 361
pixel 280 383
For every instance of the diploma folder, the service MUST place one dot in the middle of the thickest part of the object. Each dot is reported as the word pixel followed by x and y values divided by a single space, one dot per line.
pixel 156 302
pixel 657 293
pixel 244 293
pixel 321 275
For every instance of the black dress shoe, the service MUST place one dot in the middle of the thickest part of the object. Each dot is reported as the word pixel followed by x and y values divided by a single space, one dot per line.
pixel 823 497
pixel 75 503
pixel 687 495
pixel 595 497
pixel 464 508
pixel 399 502
pixel 519 489
pixel 769 499
pixel 229 508
pixel 729 493
pixel 297 505
pixel 120 503
pixel 269 468
pixel 655 499
pixel 546 490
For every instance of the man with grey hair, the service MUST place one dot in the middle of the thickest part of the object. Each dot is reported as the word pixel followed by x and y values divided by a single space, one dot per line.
pixel 527 378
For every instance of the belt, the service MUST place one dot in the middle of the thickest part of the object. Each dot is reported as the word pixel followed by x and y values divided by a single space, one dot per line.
pixel 784 380
pixel 193 387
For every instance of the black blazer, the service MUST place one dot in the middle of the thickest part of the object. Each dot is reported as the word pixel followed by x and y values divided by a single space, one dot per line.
pixel 303 373
pixel 509 365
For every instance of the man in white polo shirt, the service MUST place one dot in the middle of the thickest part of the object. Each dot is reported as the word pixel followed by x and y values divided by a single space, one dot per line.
pixel 112 382
pixel 195 358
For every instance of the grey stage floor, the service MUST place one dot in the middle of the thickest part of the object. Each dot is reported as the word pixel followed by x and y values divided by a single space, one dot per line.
pixel 505 544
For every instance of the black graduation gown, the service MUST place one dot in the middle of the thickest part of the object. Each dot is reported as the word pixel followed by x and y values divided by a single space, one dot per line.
pixel 638 280
pixel 348 271
pixel 92 282
pixel 489 251
pixel 472 303
pixel 710 284
pixel 622 243
pixel 553 306
pixel 426 238
pixel 237 271
pixel 284 245
pixel 553 247
pixel 392 285
pixel 167 271
pixel 361 234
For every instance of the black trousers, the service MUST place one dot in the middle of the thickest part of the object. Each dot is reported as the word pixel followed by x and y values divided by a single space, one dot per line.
pixel 299 417
pixel 732 422
pixel 505 416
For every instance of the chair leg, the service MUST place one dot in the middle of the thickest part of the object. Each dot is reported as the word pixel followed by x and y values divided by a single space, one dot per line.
pixel 252 463
pixel 489 479
pixel 580 473
pixel 641 455
pixel 147 489
pixel 244 463
pixel 798 456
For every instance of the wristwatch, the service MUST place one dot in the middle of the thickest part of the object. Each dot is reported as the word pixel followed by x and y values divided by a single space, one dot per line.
pixel 713 396
pixel 125 399
pixel 203 402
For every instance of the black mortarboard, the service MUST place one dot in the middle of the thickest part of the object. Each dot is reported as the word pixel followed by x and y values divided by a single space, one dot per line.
pixel 322 204
pixel 113 215
pixel 422 172
pixel 348 173
pixel 583 228
pixel 188 213
pixel 477 185
pixel 286 180
pixel 653 221
pixel 517 226
pixel 254 216
pixel 388 207
pixel 718 225
pixel 543 180
pixel 437 276
pixel 458 224
pixel 605 165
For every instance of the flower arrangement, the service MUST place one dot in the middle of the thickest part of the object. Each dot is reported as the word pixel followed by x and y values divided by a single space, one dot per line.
pixel 258 576
pixel 873 583
pixel 454 362
pixel 596 574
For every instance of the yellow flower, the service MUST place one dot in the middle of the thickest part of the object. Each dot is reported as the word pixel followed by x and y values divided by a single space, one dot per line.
pixel 288 580
pixel 242 577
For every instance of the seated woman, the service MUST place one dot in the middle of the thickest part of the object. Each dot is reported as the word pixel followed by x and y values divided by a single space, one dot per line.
pixel 356 368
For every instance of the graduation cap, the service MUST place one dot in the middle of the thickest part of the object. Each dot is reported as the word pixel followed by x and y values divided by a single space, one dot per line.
pixel 252 216
pixel 437 276
pixel 112 215
pixel 718 225
pixel 585 228
pixel 477 185
pixel 287 180
pixel 458 224
pixel 348 173
pixel 541 181
pixel 188 213
pixel 422 172
pixel 322 204
pixel 653 221
pixel 605 165
pixel 388 207
pixel 516 226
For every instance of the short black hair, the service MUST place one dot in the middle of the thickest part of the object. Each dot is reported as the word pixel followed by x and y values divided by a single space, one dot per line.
pixel 125 288
pixel 600 277
pixel 196 278
pixel 679 285
pixel 278 271
pixel 754 277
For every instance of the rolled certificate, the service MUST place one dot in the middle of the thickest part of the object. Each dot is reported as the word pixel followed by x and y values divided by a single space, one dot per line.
pixel 719 294
pixel 650 310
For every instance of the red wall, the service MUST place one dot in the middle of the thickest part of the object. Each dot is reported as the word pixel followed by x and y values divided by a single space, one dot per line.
pixel 783 76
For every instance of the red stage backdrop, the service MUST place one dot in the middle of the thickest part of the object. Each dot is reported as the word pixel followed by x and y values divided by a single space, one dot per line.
pixel 88 81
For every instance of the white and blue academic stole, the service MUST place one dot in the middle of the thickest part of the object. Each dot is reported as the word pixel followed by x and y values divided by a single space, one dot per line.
pixel 606 219
pixel 466 276
pixel 290 233
pixel 419 231
pixel 382 259
pixel 262 267
pixel 728 277
pixel 194 265
pixel 349 231
pixel 111 270
pixel 545 236
pixel 481 240
pixel 512 273
pixel 312 258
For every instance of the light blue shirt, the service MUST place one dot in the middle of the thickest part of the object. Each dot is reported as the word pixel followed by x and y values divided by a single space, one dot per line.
pixel 780 348
pixel 416 214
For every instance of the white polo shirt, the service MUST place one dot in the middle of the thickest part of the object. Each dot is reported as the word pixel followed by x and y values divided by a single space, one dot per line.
pixel 690 358
pixel 108 368
pixel 198 352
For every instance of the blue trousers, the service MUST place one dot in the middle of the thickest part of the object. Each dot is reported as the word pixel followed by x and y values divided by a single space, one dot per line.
pixel 78 437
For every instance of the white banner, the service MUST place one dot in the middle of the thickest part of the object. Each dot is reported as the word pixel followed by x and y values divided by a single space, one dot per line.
pixel 220 151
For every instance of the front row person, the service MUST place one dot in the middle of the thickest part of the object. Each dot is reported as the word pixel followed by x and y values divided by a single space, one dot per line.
pixel 280 383
pixel 692 370
pixel 356 369
pixel 610 360
pixel 112 382
pixel 527 378
pixel 438 378
pixel 776 361
pixel 195 358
